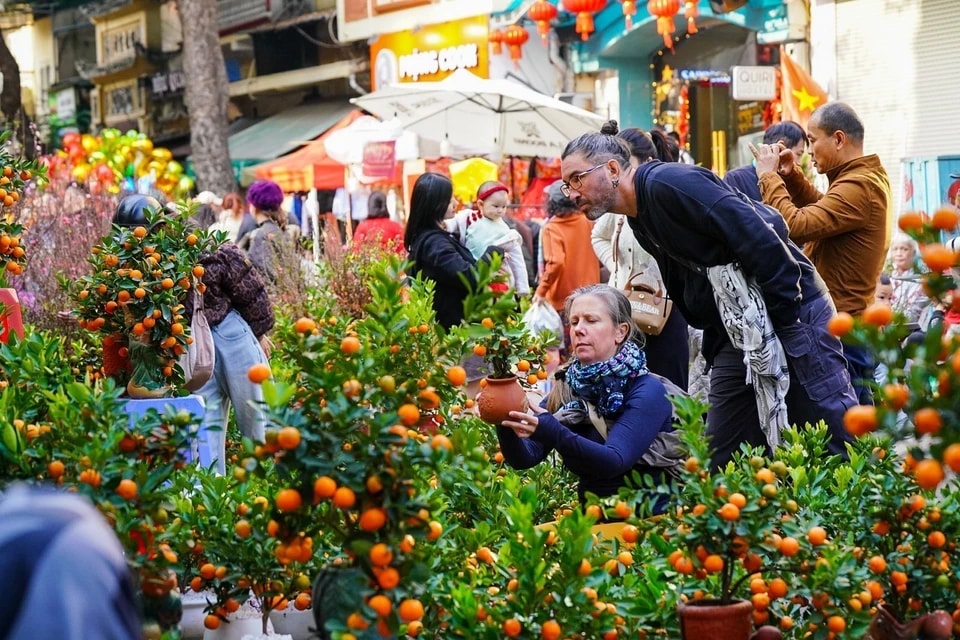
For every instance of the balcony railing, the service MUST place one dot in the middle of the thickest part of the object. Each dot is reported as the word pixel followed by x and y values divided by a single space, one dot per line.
pixel 240 14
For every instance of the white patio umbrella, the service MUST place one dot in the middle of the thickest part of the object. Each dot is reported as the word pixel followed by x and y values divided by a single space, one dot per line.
pixel 490 115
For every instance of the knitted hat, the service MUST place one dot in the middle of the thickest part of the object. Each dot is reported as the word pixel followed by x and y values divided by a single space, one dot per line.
pixel 265 195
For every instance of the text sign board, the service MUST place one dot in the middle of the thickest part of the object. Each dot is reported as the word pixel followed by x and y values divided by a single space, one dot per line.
pixel 753 83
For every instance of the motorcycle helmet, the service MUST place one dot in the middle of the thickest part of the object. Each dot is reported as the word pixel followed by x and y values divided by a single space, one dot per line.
pixel 131 212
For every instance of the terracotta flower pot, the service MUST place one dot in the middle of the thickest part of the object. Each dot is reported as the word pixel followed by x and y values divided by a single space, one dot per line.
pixel 937 625
pixel 710 620
pixel 499 398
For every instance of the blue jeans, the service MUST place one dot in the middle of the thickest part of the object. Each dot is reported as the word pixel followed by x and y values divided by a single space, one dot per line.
pixel 237 349
pixel 820 387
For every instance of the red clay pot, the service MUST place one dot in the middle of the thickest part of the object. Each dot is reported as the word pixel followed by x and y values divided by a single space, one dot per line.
pixel 937 625
pixel 499 398
pixel 710 620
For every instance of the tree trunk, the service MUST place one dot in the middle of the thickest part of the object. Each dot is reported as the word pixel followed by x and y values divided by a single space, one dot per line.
pixel 10 97
pixel 206 95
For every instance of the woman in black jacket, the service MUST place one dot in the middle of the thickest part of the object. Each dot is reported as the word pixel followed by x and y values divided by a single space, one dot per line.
pixel 436 254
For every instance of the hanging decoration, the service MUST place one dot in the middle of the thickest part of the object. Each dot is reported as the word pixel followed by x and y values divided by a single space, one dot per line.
pixel 496 39
pixel 665 10
pixel 515 37
pixel 629 10
pixel 683 119
pixel 691 12
pixel 584 9
pixel 542 12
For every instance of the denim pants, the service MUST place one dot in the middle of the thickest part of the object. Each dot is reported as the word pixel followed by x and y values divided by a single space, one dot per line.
pixel 237 349
pixel 820 387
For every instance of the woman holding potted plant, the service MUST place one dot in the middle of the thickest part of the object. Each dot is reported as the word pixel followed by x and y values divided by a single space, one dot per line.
pixel 606 411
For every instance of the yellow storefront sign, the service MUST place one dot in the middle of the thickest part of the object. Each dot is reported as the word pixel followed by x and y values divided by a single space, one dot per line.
pixel 431 53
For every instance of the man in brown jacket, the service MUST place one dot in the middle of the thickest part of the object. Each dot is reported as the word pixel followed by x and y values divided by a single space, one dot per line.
pixel 845 231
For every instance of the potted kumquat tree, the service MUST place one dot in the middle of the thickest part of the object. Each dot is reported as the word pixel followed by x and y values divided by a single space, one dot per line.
pixel 136 293
pixel 514 356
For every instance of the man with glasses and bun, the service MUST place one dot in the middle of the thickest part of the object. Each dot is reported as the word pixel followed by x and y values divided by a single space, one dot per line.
pixel 710 241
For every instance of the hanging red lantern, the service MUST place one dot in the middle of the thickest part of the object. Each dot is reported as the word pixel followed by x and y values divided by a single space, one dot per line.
pixel 496 39
pixel 664 10
pixel 691 12
pixel 584 10
pixel 515 37
pixel 629 10
pixel 542 12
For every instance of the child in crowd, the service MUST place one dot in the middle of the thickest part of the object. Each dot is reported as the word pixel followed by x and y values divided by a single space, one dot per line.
pixel 884 292
pixel 484 227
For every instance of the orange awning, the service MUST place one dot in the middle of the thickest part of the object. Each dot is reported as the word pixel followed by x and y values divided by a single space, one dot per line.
pixel 309 167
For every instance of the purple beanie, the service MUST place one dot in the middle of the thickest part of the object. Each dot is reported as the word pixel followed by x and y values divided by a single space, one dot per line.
pixel 265 195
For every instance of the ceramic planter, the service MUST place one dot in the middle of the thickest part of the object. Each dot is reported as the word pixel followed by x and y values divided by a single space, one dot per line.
pixel 296 624
pixel 710 620
pixel 246 621
pixel 499 398
pixel 931 626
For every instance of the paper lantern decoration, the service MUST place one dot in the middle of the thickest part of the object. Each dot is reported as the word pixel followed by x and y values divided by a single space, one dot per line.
pixel 542 12
pixel 584 9
pixel 664 10
pixel 515 37
pixel 496 39
pixel 629 10
pixel 691 12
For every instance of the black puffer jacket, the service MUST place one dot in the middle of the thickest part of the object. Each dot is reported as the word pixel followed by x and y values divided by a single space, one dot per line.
pixel 440 257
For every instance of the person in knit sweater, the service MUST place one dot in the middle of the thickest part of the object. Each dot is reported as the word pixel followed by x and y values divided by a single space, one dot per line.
pixel 845 231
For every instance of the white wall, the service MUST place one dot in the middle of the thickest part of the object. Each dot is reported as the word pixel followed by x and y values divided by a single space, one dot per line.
pixel 897 62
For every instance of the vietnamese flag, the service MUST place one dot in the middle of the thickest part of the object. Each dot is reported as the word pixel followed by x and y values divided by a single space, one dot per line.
pixel 800 94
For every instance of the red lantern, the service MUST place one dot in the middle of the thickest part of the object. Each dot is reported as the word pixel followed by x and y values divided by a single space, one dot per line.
pixel 542 12
pixel 664 10
pixel 629 10
pixel 691 12
pixel 584 10
pixel 515 37
pixel 496 39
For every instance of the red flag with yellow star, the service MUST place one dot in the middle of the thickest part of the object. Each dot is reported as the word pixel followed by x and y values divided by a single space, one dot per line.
pixel 800 94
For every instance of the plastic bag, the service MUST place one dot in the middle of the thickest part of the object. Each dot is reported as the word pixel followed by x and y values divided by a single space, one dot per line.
pixel 543 317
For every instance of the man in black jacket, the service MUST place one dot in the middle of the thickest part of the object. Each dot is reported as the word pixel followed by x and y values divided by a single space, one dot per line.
pixel 689 221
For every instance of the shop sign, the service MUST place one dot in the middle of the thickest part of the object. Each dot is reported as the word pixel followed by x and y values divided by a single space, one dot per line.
pixel 749 117
pixel 703 74
pixel 121 101
pixel 119 40
pixel 449 59
pixel 754 83
pixel 379 159
pixel 784 23
pixel 431 53
pixel 369 19
pixel 66 104
pixel 166 83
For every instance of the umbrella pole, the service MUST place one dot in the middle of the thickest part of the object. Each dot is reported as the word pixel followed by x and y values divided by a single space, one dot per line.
pixel 349 221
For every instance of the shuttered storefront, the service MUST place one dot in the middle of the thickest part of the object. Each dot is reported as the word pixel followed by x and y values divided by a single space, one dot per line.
pixel 898 64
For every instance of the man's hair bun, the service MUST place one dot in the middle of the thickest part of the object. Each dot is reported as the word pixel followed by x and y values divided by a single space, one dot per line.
pixel 610 128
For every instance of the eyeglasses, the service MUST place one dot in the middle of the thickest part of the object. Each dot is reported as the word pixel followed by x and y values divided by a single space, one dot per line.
pixel 577 180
